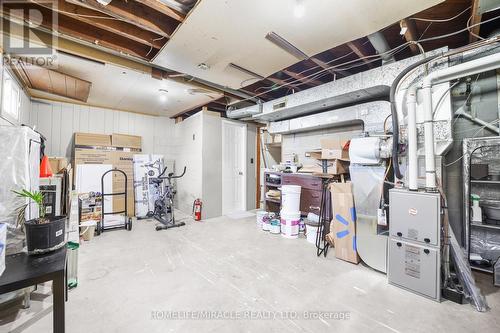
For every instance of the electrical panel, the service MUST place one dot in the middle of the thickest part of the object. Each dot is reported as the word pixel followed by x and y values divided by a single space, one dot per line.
pixel 414 257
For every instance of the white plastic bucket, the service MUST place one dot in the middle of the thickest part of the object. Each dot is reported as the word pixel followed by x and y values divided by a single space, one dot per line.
pixel 260 217
pixel 311 232
pixel 290 224
pixel 290 198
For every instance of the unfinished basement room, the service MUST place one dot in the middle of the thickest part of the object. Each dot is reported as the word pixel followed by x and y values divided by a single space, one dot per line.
pixel 249 166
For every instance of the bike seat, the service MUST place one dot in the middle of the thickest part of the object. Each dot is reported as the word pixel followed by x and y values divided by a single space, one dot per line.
pixel 157 181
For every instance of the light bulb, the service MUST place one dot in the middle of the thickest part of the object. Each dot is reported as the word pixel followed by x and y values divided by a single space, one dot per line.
pixel 299 9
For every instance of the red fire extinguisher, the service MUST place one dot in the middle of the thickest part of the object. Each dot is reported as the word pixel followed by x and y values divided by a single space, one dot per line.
pixel 197 210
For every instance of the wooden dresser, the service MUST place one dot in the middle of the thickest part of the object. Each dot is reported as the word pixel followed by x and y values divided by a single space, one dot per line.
pixel 310 196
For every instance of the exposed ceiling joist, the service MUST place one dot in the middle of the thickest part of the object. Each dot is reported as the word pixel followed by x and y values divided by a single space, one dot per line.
pixel 475 19
pixel 357 50
pixel 124 29
pixel 68 26
pixel 163 8
pixel 410 33
pixel 283 83
pixel 135 13
pixel 302 79
pixel 326 67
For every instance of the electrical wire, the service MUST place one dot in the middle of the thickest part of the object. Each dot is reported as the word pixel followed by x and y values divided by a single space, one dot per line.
pixel 441 20
pixel 441 99
pixel 471 32
pixel 378 55
pixel 475 134
pixel 312 76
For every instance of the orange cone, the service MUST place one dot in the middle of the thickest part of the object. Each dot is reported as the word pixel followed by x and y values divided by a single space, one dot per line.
pixel 45 169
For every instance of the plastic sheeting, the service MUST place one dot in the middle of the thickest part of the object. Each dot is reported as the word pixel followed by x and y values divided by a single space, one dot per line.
pixel 464 274
pixel 19 169
pixel 367 189
pixel 486 244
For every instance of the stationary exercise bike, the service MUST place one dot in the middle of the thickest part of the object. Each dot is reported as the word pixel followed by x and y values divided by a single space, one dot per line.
pixel 164 205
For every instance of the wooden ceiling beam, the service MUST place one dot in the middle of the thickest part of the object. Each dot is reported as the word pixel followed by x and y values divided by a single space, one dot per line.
pixel 134 13
pixel 163 8
pixel 326 67
pixel 357 50
pixel 301 78
pixel 475 19
pixel 283 83
pixel 410 33
pixel 80 30
pixel 90 16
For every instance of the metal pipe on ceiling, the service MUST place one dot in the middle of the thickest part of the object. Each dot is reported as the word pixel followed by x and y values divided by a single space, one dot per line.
pixel 380 45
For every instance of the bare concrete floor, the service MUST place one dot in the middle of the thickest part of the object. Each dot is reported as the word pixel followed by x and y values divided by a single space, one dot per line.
pixel 138 281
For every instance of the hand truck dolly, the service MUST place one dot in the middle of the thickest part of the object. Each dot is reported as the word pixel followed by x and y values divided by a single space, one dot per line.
pixel 127 223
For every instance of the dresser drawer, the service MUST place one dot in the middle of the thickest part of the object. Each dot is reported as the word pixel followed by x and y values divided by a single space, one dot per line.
pixel 310 201
pixel 305 181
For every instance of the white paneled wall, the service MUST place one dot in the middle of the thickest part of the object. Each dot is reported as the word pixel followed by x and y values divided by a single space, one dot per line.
pixel 58 121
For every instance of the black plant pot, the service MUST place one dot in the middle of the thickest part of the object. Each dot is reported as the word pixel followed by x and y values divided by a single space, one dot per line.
pixel 45 237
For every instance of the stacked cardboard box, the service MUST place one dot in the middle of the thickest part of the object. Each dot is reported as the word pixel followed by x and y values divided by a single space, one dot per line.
pixel 335 152
pixel 117 150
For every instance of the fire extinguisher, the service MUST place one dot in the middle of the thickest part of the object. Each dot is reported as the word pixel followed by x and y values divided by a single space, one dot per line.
pixel 197 210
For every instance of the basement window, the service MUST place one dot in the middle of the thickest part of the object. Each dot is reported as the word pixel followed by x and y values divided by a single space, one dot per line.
pixel 11 101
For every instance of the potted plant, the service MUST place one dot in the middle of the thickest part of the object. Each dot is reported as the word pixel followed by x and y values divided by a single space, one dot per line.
pixel 43 234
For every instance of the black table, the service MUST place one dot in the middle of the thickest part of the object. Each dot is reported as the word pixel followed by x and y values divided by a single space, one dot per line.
pixel 23 270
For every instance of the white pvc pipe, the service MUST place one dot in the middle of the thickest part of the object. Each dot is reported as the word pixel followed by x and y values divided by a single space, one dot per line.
pixel 411 103
pixel 472 67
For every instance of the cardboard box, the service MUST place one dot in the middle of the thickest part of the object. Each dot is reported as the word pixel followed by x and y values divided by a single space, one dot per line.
pixel 57 164
pixel 335 167
pixel 89 207
pixel 332 148
pixel 118 159
pixel 90 139
pixel 344 222
pixel 127 141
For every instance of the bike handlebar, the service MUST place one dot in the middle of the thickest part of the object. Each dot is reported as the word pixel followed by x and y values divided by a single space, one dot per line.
pixel 171 176
pixel 183 173
pixel 162 173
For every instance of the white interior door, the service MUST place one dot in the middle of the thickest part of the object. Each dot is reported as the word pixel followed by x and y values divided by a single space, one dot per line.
pixel 233 166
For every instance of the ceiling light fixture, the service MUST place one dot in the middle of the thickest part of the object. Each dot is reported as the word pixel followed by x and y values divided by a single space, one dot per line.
pixel 163 95
pixel 104 2
pixel 203 66
pixel 300 9
pixel 285 45
pixel 246 71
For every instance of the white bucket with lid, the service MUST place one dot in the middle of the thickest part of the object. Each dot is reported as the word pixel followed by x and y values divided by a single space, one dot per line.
pixel 290 224
pixel 290 198
pixel 311 231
